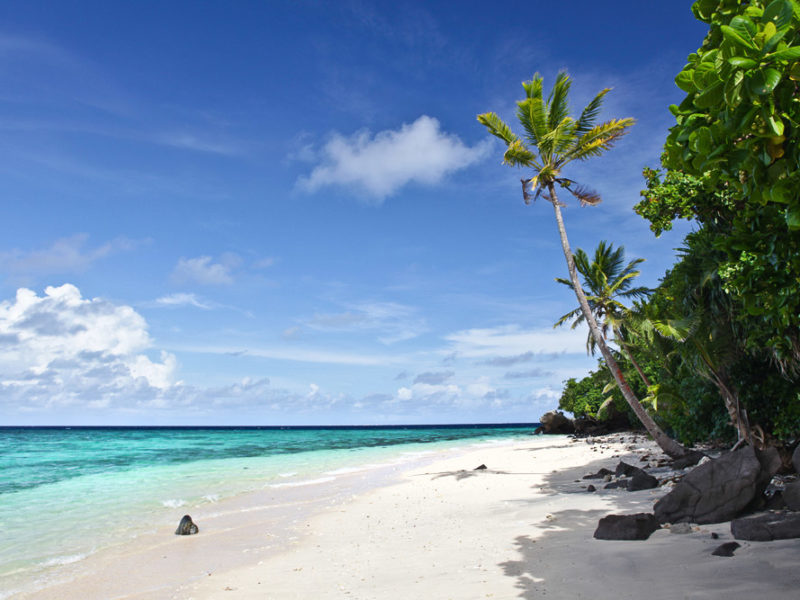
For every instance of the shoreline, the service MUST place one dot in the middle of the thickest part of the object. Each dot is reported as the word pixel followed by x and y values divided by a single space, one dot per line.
pixel 521 528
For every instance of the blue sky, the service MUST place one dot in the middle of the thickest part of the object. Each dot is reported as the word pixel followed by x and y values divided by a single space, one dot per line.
pixel 286 212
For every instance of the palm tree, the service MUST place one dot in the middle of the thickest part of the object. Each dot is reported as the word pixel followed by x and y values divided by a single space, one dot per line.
pixel 552 140
pixel 606 280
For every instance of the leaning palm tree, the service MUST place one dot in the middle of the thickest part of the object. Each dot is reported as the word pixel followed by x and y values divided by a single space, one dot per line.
pixel 552 140
pixel 607 280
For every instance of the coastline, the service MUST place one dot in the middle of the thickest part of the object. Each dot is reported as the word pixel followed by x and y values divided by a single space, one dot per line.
pixel 437 528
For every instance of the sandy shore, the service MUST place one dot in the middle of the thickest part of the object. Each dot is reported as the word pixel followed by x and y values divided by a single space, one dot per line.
pixel 522 528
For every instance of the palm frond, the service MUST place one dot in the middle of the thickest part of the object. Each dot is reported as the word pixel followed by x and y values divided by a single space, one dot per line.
pixel 557 101
pixel 497 127
pixel 597 140
pixel 589 115
pixel 517 155
pixel 532 111
pixel 585 195
pixel 576 314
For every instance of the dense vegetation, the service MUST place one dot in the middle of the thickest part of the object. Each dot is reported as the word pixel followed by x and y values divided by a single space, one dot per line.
pixel 720 336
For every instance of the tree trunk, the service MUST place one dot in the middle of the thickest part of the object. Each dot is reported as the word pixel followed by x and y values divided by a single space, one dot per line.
pixel 667 444
pixel 629 354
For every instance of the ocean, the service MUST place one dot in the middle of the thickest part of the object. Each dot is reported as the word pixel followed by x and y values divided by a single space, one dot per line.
pixel 68 492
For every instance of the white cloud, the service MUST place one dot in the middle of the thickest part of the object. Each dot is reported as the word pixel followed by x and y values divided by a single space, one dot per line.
pixel 65 255
pixel 378 166
pixel 509 342
pixel 391 321
pixel 61 348
pixel 204 271
pixel 182 299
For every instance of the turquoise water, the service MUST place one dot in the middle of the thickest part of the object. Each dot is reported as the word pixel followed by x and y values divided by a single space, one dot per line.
pixel 68 492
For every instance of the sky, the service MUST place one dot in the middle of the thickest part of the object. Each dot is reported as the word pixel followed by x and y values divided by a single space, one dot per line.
pixel 285 212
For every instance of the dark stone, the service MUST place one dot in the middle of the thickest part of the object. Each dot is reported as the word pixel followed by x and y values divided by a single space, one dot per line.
pixel 642 481
pixel 689 460
pixel 186 526
pixel 775 501
pixel 726 549
pixel 622 483
pixel 771 462
pixel 591 488
pixel 767 527
pixel 714 535
pixel 716 491
pixel 626 527
pixel 791 495
pixel 599 475
pixel 538 431
pixel 480 468
pixel 555 422
pixel 796 459
pixel 625 469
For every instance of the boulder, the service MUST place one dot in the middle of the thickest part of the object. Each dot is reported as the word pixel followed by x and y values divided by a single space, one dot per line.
pixel 591 488
pixel 767 527
pixel 726 549
pixel 620 483
pixel 625 469
pixel 716 491
pixel 480 468
pixel 186 526
pixel 555 422
pixel 796 459
pixel 640 480
pixel 626 527
pixel 791 495
pixel 689 460
pixel 599 475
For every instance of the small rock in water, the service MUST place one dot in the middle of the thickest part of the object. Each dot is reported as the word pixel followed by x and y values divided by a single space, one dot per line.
pixel 714 535
pixel 726 549
pixel 480 468
pixel 186 526
pixel 591 488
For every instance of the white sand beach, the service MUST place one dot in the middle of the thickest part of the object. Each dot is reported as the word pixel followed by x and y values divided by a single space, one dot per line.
pixel 521 528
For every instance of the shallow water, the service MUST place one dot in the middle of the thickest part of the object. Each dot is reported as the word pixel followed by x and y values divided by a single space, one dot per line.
pixel 66 493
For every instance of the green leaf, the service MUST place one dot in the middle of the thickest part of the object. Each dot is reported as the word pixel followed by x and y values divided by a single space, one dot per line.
pixel 710 96
pixel 774 123
pixel 733 89
pixel 764 81
pixel 778 12
pixel 793 217
pixel 685 80
pixel 792 53
pixel 773 40
pixel 735 37
pixel 700 141
pixel 794 72
pixel 703 9
pixel 742 62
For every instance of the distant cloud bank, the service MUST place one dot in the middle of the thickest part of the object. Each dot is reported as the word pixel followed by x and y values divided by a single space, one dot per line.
pixel 378 166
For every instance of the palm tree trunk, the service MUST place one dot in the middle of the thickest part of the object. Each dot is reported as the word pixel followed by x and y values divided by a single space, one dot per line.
pixel 629 354
pixel 667 444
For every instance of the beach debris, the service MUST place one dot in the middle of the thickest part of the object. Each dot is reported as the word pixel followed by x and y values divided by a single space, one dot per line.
pixel 681 528
pixel 639 526
pixel 186 526
pixel 591 488
pixel 599 475
pixel 726 549
pixel 790 495
pixel 640 480
pixel 767 527
pixel 480 468
pixel 717 491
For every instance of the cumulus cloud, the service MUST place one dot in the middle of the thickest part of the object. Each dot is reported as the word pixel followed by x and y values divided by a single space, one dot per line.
pixel 205 271
pixel 61 348
pixel 379 165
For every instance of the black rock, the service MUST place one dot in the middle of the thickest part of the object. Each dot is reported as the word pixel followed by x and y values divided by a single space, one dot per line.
pixel 715 491
pixel 625 469
pixel 726 549
pixel 775 501
pixel 626 527
pixel 186 526
pixel 767 527
pixel 640 480
pixel 480 468
pixel 690 460
pixel 714 535
pixel 591 488
pixel 599 475
pixel 555 422
pixel 621 483
pixel 791 495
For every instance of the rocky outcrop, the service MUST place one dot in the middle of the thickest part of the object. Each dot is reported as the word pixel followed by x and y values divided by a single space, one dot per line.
pixel 555 422
pixel 186 526
pixel 718 490
pixel 796 459
pixel 767 527
pixel 640 480
pixel 690 460
pixel 626 527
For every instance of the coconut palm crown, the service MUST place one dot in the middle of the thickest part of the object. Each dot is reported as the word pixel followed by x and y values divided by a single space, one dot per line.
pixel 553 138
